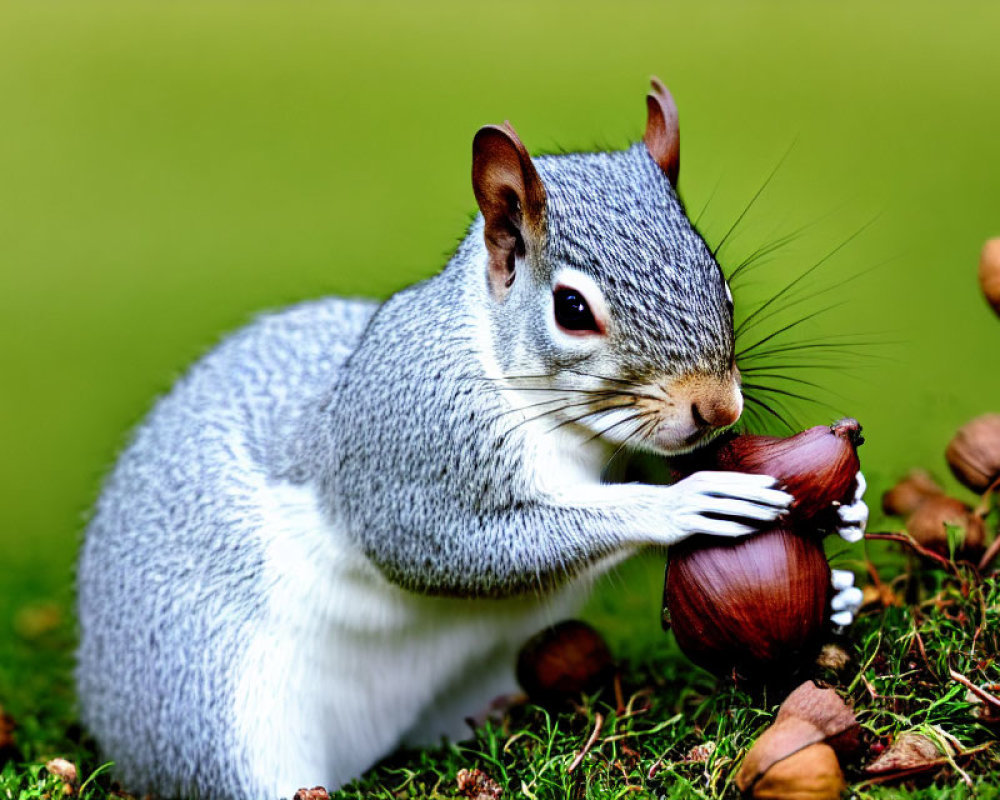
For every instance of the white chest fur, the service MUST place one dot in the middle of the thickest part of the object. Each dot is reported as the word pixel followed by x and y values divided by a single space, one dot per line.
pixel 347 665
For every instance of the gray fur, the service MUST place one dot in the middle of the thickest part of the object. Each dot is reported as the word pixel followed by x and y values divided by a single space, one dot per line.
pixel 616 217
pixel 459 512
pixel 393 420
pixel 169 578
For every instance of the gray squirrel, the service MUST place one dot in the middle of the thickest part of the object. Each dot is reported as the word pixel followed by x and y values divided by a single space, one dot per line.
pixel 334 533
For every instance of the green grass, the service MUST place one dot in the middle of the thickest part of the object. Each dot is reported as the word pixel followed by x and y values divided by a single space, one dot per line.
pixel 669 708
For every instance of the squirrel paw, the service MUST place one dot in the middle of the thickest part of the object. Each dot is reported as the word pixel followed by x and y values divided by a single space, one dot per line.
pixel 846 599
pixel 854 517
pixel 745 501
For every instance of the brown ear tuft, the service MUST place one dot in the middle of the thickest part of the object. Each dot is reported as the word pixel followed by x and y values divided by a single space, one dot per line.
pixel 512 198
pixel 662 137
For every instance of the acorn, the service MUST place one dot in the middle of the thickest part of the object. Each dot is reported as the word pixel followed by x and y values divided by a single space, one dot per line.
pixel 928 526
pixel 989 272
pixel 758 604
pixel 563 661
pixel 974 452
pixel 906 496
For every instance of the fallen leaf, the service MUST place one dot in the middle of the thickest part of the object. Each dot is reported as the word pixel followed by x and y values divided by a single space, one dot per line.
pixel 700 753
pixel 477 785
pixel 911 754
pixel 316 793
pixel 65 771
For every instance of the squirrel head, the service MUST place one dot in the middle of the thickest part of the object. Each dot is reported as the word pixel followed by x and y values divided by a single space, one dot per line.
pixel 601 292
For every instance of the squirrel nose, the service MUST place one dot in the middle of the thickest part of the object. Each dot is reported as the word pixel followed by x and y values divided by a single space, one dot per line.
pixel 716 413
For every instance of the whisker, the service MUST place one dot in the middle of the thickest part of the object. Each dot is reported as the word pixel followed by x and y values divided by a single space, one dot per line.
pixel 757 374
pixel 826 344
pixel 581 417
pixel 754 415
pixel 795 301
pixel 789 327
pixel 786 393
pixel 782 241
pixel 541 415
pixel 766 407
pixel 612 426
pixel 642 430
pixel 779 365
pixel 609 379
pixel 809 271
pixel 704 208
pixel 753 200
pixel 763 252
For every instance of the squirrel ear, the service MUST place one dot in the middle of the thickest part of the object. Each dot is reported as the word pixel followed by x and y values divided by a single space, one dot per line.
pixel 663 138
pixel 512 198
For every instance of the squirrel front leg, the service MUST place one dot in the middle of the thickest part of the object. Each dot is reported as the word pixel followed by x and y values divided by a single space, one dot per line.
pixel 533 546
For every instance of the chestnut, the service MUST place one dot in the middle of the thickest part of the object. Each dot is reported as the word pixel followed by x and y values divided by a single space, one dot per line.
pixel 562 661
pixel 758 605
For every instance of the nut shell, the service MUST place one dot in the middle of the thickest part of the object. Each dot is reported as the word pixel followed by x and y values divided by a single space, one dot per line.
pixel 989 272
pixel 974 453
pixel 755 604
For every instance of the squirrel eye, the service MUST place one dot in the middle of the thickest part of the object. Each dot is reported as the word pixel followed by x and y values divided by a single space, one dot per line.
pixel 572 311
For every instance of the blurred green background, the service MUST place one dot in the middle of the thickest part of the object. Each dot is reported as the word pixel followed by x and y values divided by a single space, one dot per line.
pixel 168 170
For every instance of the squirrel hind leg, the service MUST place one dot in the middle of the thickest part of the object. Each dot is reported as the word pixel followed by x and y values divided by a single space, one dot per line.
pixel 468 702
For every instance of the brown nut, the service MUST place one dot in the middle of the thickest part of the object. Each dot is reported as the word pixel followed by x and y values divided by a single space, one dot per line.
pixel 812 773
pixel 974 453
pixel 928 526
pixel 989 272
pixel 808 716
pixel 562 661
pixel 904 498
pixel 818 466
pixel 757 604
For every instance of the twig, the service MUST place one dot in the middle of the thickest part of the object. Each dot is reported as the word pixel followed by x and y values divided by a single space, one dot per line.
pixel 982 694
pixel 983 508
pixel 920 645
pixel 908 540
pixel 619 698
pixel 990 554
pixel 598 723
pixel 655 768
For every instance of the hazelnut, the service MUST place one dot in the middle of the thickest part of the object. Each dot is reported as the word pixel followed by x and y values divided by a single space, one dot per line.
pixel 974 453
pixel 928 526
pixel 904 498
